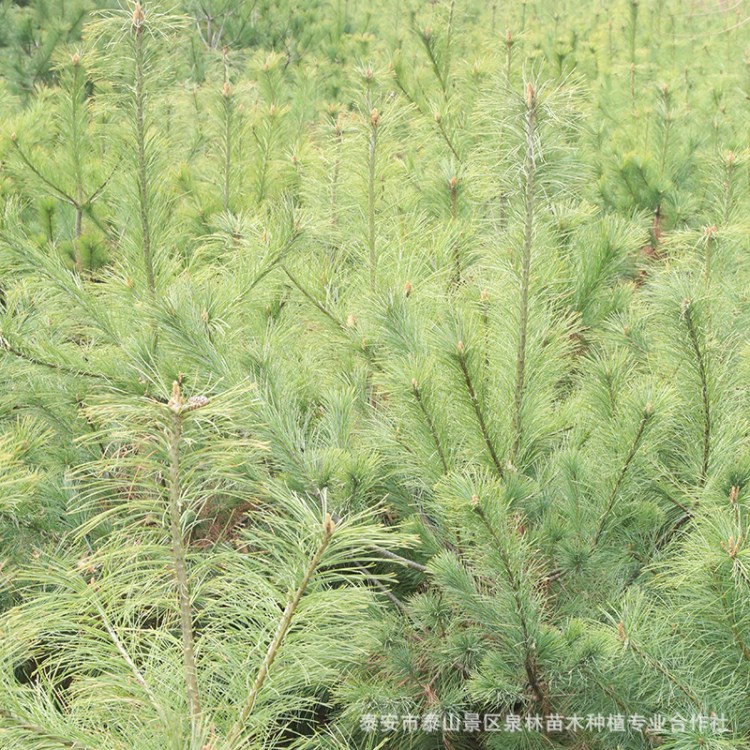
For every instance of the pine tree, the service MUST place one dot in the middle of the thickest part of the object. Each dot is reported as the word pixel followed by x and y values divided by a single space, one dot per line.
pixel 373 360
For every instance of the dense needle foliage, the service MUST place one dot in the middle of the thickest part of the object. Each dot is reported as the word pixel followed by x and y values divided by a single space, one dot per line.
pixel 374 359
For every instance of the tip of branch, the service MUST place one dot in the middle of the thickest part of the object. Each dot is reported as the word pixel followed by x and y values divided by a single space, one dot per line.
pixel 621 634
pixel 530 96
pixel 175 401
pixel 138 16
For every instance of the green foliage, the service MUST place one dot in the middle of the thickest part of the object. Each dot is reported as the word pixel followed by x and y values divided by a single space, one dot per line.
pixel 373 359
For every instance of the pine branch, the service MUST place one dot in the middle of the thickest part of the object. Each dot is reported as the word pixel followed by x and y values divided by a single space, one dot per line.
pixel 274 263
pixel 137 674
pixel 448 42
pixel 700 364
pixel 339 140
pixel 312 299
pixel 43 734
pixel 228 110
pixel 437 119
pixel 237 729
pixel 96 193
pixel 426 38
pixel 430 423
pixel 398 558
pixel 509 42
pixel 659 667
pixel 62 194
pixel 386 592
pixel 705 399
pixel 455 241
pixel 6 346
pixel 647 414
pixel 444 133
pixel 468 382
pixel 530 662
pixel 736 631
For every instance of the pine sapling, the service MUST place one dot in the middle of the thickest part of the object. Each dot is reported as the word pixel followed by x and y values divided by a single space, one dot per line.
pixel 75 191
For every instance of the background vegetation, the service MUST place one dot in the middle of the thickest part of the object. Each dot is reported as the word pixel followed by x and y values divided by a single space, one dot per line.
pixel 373 358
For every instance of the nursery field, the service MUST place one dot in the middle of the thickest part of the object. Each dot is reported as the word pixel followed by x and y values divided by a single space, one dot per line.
pixel 374 375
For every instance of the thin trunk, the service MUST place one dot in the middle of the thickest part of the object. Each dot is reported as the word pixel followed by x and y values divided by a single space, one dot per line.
pixel 371 177
pixel 77 168
pixel 141 158
pixel 528 238
pixel 179 559
pixel 227 146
